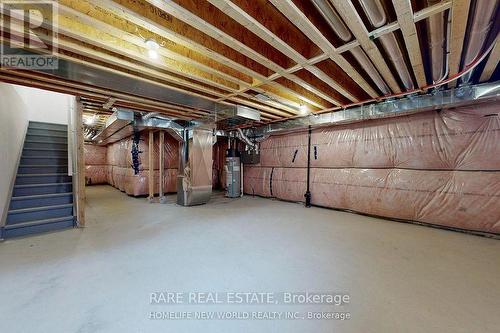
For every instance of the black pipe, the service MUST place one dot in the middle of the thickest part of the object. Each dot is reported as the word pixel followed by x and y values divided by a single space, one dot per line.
pixel 308 192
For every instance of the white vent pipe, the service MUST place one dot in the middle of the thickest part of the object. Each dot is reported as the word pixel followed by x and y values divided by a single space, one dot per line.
pixel 436 37
pixel 482 21
pixel 341 30
pixel 376 15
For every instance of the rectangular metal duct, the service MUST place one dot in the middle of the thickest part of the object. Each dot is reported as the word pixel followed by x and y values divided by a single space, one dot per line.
pixel 228 116
pixel 118 126
pixel 461 96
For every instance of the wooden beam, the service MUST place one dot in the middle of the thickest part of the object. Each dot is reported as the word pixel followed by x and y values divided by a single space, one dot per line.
pixel 492 62
pixel 404 14
pixel 433 10
pixel 206 17
pixel 253 24
pixel 226 33
pixel 346 10
pixel 90 30
pixel 133 33
pixel 116 33
pixel 301 21
pixel 152 18
pixel 79 175
pixel 393 26
pixel 459 15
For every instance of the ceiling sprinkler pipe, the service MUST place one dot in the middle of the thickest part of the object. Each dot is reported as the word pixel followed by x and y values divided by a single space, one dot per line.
pixel 376 14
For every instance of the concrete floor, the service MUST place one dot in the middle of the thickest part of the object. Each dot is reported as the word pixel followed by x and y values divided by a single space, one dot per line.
pixel 400 277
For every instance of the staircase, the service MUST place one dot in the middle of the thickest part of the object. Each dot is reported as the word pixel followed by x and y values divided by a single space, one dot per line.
pixel 42 199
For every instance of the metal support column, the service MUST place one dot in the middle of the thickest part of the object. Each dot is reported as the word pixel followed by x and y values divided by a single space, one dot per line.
pixel 161 172
pixel 151 168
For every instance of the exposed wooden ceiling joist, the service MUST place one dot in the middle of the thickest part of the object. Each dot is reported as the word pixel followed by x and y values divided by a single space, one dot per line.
pixel 297 17
pixel 352 19
pixel 276 56
pixel 404 14
pixel 492 62
pixel 459 15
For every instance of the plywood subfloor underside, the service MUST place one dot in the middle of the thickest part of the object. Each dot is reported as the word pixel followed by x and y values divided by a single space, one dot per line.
pixel 401 277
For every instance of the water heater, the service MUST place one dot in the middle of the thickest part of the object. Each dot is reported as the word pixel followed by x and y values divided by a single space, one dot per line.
pixel 232 169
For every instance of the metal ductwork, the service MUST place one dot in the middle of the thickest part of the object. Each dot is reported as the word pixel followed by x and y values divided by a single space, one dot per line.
pixel 342 31
pixel 461 96
pixel 118 126
pixel 482 22
pixel 245 139
pixel 230 116
pixel 377 17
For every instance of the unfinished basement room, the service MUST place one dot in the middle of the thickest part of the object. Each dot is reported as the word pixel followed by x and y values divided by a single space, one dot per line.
pixel 221 166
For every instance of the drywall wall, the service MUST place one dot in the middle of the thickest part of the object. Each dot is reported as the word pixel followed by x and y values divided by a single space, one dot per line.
pixel 45 106
pixel 439 168
pixel 14 115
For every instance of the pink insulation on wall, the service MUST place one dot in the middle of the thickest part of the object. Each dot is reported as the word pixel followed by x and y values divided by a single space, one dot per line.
pixel 95 164
pixel 118 166
pixel 434 167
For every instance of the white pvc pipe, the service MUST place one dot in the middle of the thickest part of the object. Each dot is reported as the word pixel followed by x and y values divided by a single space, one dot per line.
pixel 482 21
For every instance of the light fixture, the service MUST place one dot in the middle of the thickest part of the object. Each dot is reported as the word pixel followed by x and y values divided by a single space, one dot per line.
pixel 152 47
pixel 303 109
pixel 90 120
pixel 153 54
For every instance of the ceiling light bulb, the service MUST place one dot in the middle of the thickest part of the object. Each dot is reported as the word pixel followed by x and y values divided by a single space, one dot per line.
pixel 151 44
pixel 153 54
pixel 304 109
pixel 89 120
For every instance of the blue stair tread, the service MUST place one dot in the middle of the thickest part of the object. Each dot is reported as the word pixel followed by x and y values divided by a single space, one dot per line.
pixel 46 149
pixel 40 196
pixel 48 129
pixel 38 185
pixel 64 157
pixel 40 141
pixel 36 209
pixel 48 134
pixel 40 174
pixel 42 165
pixel 37 222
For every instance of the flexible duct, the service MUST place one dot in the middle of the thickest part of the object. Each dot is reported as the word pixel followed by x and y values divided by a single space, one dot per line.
pixel 482 21
pixel 245 139
pixel 436 37
pixel 376 15
pixel 341 30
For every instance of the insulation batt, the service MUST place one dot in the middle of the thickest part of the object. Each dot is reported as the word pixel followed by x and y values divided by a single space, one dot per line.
pixel 440 168
pixel 117 170
pixel 95 164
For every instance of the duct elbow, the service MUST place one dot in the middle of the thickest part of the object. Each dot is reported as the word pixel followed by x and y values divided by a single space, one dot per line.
pixel 246 139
